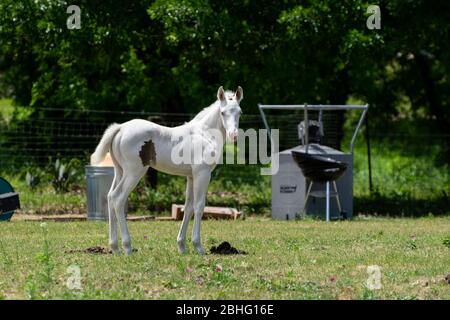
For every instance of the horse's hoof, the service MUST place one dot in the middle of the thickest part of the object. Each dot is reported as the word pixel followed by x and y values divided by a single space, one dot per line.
pixel 198 246
pixel 115 249
pixel 128 250
pixel 181 247
pixel 201 251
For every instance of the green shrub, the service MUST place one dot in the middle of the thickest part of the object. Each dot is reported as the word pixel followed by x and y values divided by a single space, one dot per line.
pixel 446 241
pixel 32 179
pixel 63 175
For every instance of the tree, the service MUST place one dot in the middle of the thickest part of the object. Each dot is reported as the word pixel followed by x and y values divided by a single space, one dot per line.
pixel 171 55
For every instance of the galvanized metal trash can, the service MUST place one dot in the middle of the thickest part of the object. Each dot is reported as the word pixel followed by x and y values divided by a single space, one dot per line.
pixel 99 181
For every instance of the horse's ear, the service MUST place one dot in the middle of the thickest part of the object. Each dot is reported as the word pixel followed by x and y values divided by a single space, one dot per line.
pixel 221 94
pixel 239 94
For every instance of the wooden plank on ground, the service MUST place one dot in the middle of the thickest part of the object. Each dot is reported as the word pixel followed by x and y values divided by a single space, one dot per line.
pixel 209 212
pixel 140 218
pixel 165 218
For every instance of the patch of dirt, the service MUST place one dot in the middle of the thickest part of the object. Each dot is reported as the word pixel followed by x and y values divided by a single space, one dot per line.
pixel 92 250
pixel 225 248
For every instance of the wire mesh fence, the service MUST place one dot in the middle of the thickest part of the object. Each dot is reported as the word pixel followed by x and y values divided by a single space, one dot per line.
pixel 404 164
pixel 77 134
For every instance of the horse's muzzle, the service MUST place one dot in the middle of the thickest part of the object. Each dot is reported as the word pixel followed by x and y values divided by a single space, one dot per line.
pixel 233 136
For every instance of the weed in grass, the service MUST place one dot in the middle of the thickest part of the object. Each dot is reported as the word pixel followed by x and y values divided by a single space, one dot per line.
pixel 171 284
pixel 38 284
pixel 182 267
pixel 309 288
pixel 31 288
pixel 221 276
pixel 411 243
pixel 368 294
pixel 44 259
pixel 5 258
pixel 446 242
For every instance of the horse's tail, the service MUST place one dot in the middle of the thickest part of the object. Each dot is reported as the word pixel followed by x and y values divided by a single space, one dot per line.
pixel 105 144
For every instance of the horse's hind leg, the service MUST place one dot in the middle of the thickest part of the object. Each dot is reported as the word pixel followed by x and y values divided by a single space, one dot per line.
pixel 111 210
pixel 126 185
pixel 188 211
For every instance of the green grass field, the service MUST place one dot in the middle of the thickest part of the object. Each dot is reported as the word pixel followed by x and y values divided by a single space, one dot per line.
pixel 286 260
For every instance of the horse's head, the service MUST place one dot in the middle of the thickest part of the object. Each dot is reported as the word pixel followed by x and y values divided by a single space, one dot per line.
pixel 230 111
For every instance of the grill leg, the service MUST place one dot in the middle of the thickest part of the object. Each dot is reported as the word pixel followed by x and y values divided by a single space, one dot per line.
pixel 337 197
pixel 306 200
pixel 328 200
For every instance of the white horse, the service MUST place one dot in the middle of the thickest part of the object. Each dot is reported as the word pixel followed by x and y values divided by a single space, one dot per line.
pixel 138 144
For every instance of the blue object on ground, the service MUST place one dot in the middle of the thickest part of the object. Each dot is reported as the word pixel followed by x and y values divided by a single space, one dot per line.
pixel 9 200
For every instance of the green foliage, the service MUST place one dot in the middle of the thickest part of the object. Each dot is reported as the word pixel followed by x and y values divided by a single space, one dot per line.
pixel 446 241
pixel 146 199
pixel 368 294
pixel 250 193
pixel 172 55
pixel 32 180
pixel 38 283
pixel 49 65
pixel 31 289
pixel 44 259
pixel 64 174
pixel 411 244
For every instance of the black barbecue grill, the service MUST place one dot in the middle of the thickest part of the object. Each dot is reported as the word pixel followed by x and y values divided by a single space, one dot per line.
pixel 321 165
pixel 319 168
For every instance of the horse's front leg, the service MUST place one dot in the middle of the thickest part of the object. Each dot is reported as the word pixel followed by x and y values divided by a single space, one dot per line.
pixel 188 211
pixel 201 182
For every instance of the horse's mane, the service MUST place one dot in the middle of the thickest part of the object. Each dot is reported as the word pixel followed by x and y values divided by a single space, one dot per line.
pixel 207 110
pixel 204 112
